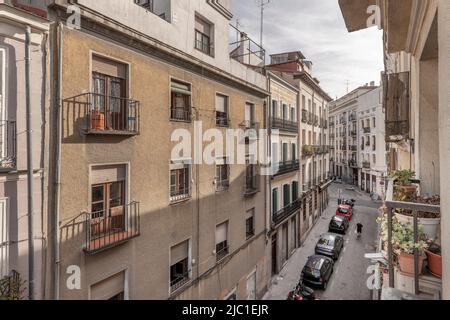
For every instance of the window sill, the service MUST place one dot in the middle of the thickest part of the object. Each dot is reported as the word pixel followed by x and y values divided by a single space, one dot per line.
pixel 179 120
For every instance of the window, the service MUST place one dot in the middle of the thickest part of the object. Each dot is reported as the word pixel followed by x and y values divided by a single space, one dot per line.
pixel 222 247
pixel 275 200
pixel 180 181
pixel 147 4
pixel 374 143
pixel 203 36
pixel 294 152
pixel 107 200
pixel 109 105
pixel 112 288
pixel 250 117
pixel 222 110
pixel 303 102
pixel 374 159
pixel 285 152
pixel 374 122
pixel 294 190
pixel 285 112
pixel 303 137
pixel 286 195
pixel 274 108
pixel 250 224
pixel 222 174
pixel 179 265
pixel 180 102
pixel 293 115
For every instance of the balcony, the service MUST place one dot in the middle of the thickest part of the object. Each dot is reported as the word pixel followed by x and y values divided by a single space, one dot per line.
pixel 107 115
pixel 150 5
pixel 366 164
pixel 421 280
pixel 286 212
pixel 8 144
pixel 285 125
pixel 353 148
pixel 222 119
pixel 353 164
pixel 353 133
pixel 366 130
pixel 308 151
pixel 251 130
pixel 251 186
pixel 106 229
pixel 287 167
pixel 352 117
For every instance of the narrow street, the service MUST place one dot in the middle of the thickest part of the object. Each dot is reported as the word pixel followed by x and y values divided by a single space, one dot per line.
pixel 349 279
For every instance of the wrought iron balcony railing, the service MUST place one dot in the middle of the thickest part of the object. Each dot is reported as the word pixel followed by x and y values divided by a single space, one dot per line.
pixel 367 129
pixel 107 115
pixel 283 214
pixel 287 166
pixel 284 124
pixel 366 164
pixel 108 228
pixel 8 146
pixel 252 184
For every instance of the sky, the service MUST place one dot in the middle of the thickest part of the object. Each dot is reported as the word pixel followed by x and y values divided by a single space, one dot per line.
pixel 316 28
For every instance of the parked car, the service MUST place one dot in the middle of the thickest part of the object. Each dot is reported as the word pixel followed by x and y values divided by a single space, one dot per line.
pixel 302 292
pixel 318 271
pixel 349 202
pixel 338 180
pixel 330 245
pixel 345 211
pixel 338 224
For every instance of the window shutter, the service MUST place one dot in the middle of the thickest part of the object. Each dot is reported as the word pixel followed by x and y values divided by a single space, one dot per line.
pixel 179 252
pixel 274 200
pixel 109 67
pixel 222 233
pixel 221 103
pixel 108 288
pixel 104 174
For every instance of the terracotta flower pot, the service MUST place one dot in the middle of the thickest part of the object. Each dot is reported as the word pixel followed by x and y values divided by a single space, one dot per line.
pixel 406 263
pixel 98 120
pixel 434 263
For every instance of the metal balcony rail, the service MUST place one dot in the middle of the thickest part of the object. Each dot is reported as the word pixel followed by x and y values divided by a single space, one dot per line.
pixel 108 114
pixel 251 184
pixel 352 117
pixel 366 129
pixel 179 281
pixel 180 114
pixel 288 166
pixel 108 228
pixel 353 148
pixel 366 164
pixel 222 119
pixel 222 185
pixel 353 163
pixel 8 145
pixel 284 124
pixel 221 254
pixel 248 46
pixel 353 133
pixel 149 6
pixel 391 205
pixel 286 212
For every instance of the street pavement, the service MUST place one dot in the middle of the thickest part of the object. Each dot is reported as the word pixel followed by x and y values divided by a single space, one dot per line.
pixel 348 281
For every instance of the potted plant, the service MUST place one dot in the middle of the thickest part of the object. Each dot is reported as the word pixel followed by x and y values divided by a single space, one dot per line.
pixel 427 220
pixel 434 257
pixel 402 179
pixel 403 244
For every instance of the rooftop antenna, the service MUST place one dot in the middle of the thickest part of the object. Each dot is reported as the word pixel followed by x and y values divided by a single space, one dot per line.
pixel 262 5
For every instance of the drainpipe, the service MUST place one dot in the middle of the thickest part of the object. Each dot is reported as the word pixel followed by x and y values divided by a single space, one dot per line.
pixel 58 117
pixel 29 166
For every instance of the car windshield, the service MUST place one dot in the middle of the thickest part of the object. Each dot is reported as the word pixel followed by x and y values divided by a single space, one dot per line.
pixel 326 242
pixel 338 222
pixel 342 210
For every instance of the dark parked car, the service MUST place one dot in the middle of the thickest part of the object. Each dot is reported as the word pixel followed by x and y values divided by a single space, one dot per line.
pixel 317 271
pixel 338 224
pixel 330 245
pixel 302 292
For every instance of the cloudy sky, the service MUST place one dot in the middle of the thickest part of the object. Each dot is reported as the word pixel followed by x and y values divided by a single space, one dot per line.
pixel 316 28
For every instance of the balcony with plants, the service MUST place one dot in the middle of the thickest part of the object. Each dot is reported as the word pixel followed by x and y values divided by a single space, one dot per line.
pixel 410 237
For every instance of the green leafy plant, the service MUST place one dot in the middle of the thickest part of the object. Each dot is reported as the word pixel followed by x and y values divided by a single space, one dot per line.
pixel 12 287
pixel 403 177
pixel 403 236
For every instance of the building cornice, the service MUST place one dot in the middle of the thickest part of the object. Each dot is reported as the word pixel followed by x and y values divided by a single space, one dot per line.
pixel 22 17
pixel 220 8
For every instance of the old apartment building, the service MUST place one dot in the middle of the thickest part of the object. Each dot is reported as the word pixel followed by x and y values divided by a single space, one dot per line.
pixel 357 138
pixel 138 221
pixel 23 234
pixel 313 134
pixel 284 200
pixel 416 101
